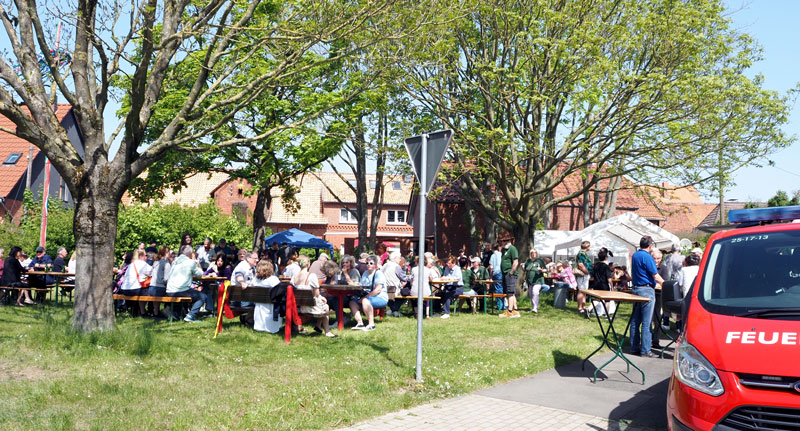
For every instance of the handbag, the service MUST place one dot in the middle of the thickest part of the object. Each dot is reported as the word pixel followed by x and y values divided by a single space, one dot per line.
pixel 578 272
pixel 143 284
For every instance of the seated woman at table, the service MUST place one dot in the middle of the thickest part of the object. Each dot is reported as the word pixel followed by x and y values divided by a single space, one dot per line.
pixel 308 280
pixel 138 272
pixel 292 267
pixel 220 267
pixel 12 276
pixel 158 284
pixel 349 274
pixel 451 290
pixel 331 271
pixel 428 274
pixel 565 276
pixel 264 317
pixel 375 296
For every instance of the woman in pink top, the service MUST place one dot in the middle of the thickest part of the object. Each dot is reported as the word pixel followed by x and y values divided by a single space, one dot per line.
pixel 566 275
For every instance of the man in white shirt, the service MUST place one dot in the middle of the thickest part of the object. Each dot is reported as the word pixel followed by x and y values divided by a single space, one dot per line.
pixel 244 273
pixel 181 274
pixel 204 254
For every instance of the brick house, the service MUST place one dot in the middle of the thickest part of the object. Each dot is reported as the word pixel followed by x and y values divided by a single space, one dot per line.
pixel 16 154
pixel 319 211
pixel 448 225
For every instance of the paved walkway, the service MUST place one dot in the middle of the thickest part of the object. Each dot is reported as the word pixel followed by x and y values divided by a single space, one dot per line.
pixel 563 398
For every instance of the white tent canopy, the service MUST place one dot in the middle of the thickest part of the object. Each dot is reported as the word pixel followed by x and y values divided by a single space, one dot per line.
pixel 620 234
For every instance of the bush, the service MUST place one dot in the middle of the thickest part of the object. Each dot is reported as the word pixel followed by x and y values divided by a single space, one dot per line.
pixel 136 223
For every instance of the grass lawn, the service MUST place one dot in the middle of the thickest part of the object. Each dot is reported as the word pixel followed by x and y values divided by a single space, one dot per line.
pixel 159 376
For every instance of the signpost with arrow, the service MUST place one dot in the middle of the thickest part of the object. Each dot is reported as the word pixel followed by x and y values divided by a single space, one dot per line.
pixel 426 152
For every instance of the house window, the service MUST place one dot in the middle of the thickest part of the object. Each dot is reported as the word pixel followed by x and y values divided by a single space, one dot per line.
pixel 396 185
pixel 353 183
pixel 12 159
pixel 407 178
pixel 372 184
pixel 347 216
pixel 395 217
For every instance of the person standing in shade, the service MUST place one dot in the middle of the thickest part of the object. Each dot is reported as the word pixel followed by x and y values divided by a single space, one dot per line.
pixel 508 265
pixel 645 278
pixel 584 264
pixel 497 275
pixel 273 254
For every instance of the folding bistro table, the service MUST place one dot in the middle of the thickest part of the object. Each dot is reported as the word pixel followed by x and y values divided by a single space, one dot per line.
pixel 611 338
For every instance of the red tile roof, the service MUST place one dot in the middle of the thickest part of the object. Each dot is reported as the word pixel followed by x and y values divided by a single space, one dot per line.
pixel 685 217
pixel 9 144
pixel 630 197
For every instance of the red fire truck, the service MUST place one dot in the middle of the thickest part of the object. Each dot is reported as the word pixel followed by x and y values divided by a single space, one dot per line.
pixel 737 361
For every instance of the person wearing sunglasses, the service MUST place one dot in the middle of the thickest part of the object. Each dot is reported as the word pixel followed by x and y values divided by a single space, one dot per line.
pixel 374 295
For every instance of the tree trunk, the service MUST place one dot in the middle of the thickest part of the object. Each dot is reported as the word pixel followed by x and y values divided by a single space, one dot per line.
pixel 95 229
pixel 610 204
pixel 260 216
pixel 472 228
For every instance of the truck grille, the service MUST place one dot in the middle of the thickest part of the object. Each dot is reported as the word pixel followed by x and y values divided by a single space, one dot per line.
pixel 763 419
pixel 773 383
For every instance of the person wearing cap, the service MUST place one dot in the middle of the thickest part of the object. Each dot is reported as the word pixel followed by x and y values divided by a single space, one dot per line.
pixel 41 262
pixel 475 272
pixel 534 269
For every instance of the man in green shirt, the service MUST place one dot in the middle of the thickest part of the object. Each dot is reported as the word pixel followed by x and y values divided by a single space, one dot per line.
pixel 534 270
pixel 508 265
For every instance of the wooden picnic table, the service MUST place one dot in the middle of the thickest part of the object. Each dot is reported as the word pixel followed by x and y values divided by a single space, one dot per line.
pixel 341 291
pixel 610 337
pixel 57 275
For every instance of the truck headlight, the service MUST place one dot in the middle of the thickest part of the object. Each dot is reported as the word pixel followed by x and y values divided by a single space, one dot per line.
pixel 694 370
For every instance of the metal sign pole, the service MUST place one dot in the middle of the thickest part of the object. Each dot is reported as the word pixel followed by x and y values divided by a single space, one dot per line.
pixel 423 199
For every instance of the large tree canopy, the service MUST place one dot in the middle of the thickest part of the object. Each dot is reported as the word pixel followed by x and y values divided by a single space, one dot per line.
pixel 144 47
pixel 541 90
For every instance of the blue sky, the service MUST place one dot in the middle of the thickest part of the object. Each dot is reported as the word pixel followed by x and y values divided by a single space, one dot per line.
pixel 773 23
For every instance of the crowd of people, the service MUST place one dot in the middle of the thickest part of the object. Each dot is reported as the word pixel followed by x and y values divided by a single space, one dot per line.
pixel 13 271
pixel 649 270
pixel 386 279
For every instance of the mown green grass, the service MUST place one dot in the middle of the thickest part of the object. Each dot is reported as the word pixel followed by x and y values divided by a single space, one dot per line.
pixel 159 376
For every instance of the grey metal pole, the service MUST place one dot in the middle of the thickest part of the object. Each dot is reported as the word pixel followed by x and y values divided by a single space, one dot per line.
pixel 423 200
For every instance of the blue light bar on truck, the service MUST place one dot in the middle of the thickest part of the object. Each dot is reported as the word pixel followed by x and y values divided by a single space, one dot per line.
pixel 758 215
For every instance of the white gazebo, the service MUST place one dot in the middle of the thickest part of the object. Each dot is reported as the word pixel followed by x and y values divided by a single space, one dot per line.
pixel 620 234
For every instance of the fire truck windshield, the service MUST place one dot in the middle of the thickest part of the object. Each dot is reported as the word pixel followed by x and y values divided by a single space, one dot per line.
pixel 752 274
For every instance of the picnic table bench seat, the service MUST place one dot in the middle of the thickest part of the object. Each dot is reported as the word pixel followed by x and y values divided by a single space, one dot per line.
pixel 263 295
pixel 171 300
pixel 473 301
